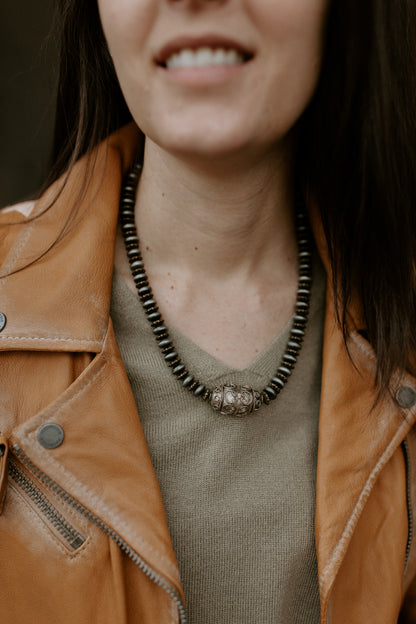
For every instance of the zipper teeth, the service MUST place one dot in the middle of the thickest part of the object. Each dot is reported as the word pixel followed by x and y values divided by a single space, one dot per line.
pixel 135 557
pixel 406 453
pixel 71 535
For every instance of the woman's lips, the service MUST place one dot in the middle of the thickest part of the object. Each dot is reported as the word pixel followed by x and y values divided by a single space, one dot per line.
pixel 202 77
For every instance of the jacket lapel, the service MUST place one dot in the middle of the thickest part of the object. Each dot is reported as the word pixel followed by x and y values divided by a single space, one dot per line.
pixel 357 437
pixel 104 462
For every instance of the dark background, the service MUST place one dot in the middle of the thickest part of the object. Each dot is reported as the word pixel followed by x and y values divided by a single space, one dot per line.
pixel 28 70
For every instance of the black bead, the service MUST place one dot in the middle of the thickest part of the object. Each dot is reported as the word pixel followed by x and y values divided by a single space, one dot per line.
pixel 133 252
pixel 149 303
pixel 289 359
pixel 199 390
pixel 160 329
pixel 130 236
pixel 127 212
pixel 278 381
pixel 178 369
pixel 144 290
pixel 271 393
pixel 128 227
pixel 136 264
pixel 139 277
pixel 297 333
pixel 300 318
pixel 154 316
pixel 166 342
pixel 129 189
pixel 284 371
pixel 169 357
pixel 187 381
pixel 294 345
pixel 131 240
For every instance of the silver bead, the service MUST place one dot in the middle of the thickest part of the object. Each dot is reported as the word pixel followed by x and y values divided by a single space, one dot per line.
pixel 232 400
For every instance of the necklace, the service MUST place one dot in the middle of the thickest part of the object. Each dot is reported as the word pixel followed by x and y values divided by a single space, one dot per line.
pixel 229 399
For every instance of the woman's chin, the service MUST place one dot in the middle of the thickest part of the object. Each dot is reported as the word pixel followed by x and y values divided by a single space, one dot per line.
pixel 207 147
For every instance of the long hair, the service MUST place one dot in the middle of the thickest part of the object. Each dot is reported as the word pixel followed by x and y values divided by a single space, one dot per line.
pixel 90 104
pixel 356 152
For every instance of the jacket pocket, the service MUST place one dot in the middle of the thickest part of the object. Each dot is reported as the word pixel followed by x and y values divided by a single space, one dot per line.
pixel 56 519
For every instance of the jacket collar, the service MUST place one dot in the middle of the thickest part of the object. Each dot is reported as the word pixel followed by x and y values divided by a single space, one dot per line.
pixel 67 311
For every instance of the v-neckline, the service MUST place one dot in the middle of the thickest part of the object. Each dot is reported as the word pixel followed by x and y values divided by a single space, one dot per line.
pixel 215 370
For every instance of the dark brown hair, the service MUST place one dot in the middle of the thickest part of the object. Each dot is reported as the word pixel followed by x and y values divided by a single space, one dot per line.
pixel 356 151
pixel 90 104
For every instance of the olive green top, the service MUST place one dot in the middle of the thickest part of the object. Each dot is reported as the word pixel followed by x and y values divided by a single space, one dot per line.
pixel 239 494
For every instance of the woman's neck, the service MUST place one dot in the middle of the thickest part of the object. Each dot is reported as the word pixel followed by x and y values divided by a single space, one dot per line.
pixel 220 252
pixel 215 221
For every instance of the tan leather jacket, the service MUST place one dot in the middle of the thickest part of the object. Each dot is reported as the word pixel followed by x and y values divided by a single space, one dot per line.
pixel 83 535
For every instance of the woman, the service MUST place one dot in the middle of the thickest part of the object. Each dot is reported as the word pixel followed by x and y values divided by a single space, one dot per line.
pixel 270 475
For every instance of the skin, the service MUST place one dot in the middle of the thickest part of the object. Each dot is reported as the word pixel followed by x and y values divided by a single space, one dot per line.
pixel 215 205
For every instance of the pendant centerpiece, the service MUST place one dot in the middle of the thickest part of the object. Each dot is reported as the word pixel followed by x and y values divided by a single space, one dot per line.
pixel 233 400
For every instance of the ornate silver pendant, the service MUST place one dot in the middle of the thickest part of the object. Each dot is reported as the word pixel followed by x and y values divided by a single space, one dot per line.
pixel 232 400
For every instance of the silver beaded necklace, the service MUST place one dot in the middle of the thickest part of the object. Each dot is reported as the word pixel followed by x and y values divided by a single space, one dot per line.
pixel 229 399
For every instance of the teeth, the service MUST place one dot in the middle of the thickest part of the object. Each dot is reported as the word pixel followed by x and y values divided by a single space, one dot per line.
pixel 204 57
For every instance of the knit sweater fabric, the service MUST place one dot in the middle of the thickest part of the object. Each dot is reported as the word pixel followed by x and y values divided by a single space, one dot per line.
pixel 239 493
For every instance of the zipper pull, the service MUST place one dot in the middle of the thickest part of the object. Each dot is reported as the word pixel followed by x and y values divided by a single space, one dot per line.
pixel 4 469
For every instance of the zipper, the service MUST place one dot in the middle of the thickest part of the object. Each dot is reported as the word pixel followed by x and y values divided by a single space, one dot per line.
pixel 71 537
pixel 123 545
pixel 408 466
pixel 4 465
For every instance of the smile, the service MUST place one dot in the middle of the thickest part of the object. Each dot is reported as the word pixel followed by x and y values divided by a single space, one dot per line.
pixel 205 51
pixel 204 57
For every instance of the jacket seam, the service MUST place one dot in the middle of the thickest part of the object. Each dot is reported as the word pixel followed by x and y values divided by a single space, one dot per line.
pixel 49 339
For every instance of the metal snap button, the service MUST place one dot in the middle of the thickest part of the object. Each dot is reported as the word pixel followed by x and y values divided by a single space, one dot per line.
pixel 406 397
pixel 3 321
pixel 51 435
